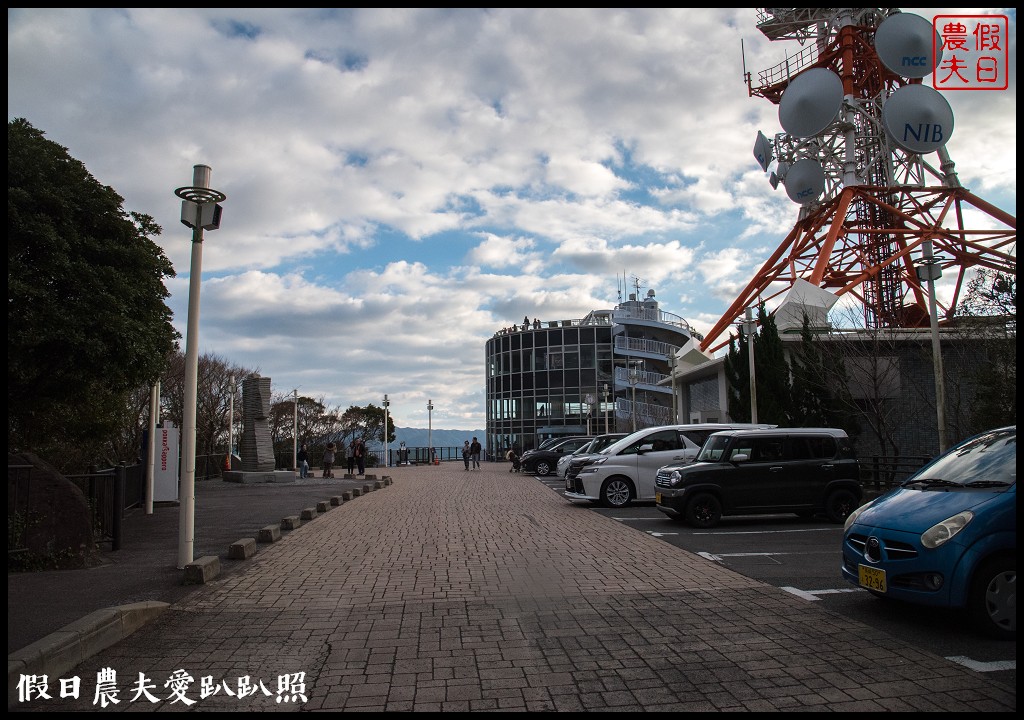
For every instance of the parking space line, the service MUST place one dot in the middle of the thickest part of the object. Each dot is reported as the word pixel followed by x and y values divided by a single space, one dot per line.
pixel 978 666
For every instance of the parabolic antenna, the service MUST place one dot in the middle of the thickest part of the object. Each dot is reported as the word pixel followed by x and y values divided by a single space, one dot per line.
pixel 918 118
pixel 811 102
pixel 804 181
pixel 779 175
pixel 908 45
pixel 763 151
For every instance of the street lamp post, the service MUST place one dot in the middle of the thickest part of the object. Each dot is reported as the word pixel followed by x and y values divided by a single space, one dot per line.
pixel 930 272
pixel 750 326
pixel 606 430
pixel 387 459
pixel 590 404
pixel 231 422
pixel 200 210
pixel 430 430
pixel 295 432
pixel 672 373
pixel 634 378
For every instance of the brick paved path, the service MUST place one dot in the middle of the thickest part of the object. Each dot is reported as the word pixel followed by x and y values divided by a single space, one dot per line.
pixel 456 591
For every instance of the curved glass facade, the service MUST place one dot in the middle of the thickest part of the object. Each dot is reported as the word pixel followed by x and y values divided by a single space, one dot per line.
pixel 580 377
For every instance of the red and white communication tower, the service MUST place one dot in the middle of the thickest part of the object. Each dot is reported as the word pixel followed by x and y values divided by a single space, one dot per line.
pixel 880 219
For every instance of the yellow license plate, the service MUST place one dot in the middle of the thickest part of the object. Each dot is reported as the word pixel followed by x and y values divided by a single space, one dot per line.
pixel 871 578
pixel 657 498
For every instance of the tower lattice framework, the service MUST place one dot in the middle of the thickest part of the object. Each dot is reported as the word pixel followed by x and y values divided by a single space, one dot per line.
pixel 884 212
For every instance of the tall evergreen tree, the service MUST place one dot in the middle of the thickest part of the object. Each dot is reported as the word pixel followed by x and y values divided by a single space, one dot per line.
pixel 87 321
pixel 821 389
pixel 989 312
pixel 737 377
pixel 772 373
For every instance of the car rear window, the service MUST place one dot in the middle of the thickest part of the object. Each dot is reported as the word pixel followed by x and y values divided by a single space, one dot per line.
pixel 698 436
pixel 813 447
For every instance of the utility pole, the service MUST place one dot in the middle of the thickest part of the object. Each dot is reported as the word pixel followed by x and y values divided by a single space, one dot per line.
pixel 750 325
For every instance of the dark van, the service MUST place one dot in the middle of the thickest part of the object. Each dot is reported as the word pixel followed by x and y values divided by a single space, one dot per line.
pixel 752 472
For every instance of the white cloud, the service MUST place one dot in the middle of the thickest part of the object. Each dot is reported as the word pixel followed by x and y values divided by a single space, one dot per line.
pixel 401 183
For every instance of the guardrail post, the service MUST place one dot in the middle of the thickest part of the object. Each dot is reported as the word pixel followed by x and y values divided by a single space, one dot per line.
pixel 120 473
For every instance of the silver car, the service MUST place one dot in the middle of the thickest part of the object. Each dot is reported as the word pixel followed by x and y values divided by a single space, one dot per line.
pixel 595 446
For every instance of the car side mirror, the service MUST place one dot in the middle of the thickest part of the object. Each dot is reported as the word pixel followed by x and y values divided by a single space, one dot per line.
pixel 740 457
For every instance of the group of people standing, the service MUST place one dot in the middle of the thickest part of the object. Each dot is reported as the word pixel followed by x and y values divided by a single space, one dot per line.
pixel 335 455
pixel 471 453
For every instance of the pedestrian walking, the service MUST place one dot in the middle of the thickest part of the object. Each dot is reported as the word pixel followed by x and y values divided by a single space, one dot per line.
pixel 302 458
pixel 466 453
pixel 360 452
pixel 329 460
pixel 474 453
pixel 352 457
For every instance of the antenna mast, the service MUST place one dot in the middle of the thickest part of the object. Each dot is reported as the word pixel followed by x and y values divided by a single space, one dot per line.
pixel 877 222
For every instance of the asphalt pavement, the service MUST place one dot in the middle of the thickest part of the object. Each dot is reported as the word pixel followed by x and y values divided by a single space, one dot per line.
pixel 449 590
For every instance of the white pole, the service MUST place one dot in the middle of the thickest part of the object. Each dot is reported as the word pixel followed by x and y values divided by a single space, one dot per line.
pixel 933 272
pixel 231 423
pixel 634 378
pixel 186 515
pixel 154 408
pixel 606 430
pixel 387 460
pixel 295 433
pixel 750 325
pixel 430 430
pixel 672 372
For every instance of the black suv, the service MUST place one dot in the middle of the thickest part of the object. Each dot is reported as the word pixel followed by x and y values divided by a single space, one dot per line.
pixel 543 461
pixel 751 472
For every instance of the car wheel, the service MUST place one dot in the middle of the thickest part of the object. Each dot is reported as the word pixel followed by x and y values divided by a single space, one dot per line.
pixel 704 511
pixel 839 505
pixel 992 603
pixel 543 468
pixel 616 492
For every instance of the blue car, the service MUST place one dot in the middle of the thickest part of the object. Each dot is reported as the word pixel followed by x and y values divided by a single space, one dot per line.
pixel 947 537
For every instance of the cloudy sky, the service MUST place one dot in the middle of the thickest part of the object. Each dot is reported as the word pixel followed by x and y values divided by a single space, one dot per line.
pixel 402 183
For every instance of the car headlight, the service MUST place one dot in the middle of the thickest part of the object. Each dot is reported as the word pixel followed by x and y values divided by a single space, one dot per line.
pixel 939 533
pixel 674 477
pixel 852 517
pixel 599 461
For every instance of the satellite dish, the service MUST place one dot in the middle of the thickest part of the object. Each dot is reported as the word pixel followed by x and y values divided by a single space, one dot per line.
pixel 811 102
pixel 763 151
pixel 907 45
pixel 774 180
pixel 781 169
pixel 805 181
pixel 918 118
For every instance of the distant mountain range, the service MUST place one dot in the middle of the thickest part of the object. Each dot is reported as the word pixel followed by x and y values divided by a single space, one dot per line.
pixel 418 437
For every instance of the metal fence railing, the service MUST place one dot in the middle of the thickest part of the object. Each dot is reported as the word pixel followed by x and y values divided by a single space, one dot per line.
pixel 109 493
pixel 19 484
pixel 374 457
pixel 880 473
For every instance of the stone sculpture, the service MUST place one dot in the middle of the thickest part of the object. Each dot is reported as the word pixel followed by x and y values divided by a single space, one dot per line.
pixel 256 447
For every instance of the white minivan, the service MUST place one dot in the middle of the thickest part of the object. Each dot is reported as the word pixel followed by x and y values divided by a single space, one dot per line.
pixel 625 471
